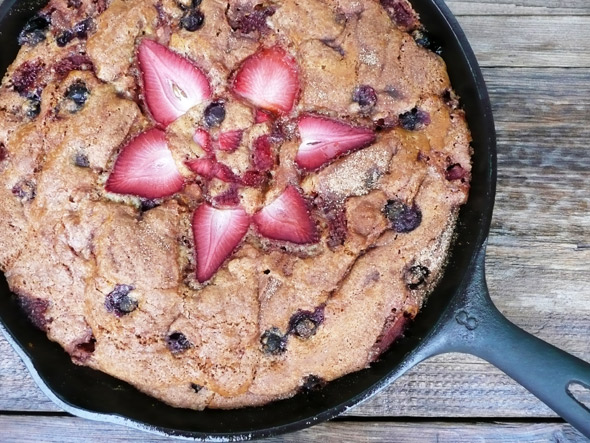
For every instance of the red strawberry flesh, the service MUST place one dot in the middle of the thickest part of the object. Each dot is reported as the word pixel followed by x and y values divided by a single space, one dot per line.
pixel 263 157
pixel 171 84
pixel 217 232
pixel 287 218
pixel 145 167
pixel 210 168
pixel 324 139
pixel 202 138
pixel 229 141
pixel 269 80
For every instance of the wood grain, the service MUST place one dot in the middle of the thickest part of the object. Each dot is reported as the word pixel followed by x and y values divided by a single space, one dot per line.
pixel 529 41
pixel 24 429
pixel 519 7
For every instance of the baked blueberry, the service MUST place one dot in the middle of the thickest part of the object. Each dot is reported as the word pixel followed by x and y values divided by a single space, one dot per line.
pixel 273 342
pixel 64 38
pixel 214 114
pixel 34 30
pixel 426 40
pixel 365 96
pixel 195 387
pixel 414 119
pixel 416 276
pixel 81 29
pixel 25 190
pixel 119 302
pixel 403 218
pixel 177 342
pixel 192 20
pixel 304 324
pixel 313 383
pixel 251 19
pixel 78 93
pixel 33 105
pixel 81 160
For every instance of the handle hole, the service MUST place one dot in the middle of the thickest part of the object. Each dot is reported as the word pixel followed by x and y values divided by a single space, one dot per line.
pixel 580 393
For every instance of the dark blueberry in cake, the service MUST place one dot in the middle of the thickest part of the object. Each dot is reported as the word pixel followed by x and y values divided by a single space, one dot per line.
pixel 81 29
pixel 34 30
pixel 147 204
pixel 118 301
pixel 74 4
pixel 455 172
pixel 425 40
pixel 192 20
pixel 81 160
pixel 414 119
pixel 78 93
pixel 33 105
pixel 403 218
pixel 416 276
pixel 304 324
pixel 177 342
pixel 25 190
pixel 365 96
pixel 195 387
pixel 3 152
pixel 25 76
pixel 64 38
pixel 251 19
pixel 214 114
pixel 273 342
pixel 313 383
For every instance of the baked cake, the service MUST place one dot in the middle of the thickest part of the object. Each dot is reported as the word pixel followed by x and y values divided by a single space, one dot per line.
pixel 226 202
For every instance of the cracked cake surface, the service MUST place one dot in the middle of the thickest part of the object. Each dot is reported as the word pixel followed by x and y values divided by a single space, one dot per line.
pixel 224 203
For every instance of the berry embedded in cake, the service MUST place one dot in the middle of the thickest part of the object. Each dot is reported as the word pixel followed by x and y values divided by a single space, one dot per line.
pixel 225 203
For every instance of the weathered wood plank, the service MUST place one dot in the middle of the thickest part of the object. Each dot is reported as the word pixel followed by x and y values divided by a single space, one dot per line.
pixel 545 41
pixel 519 7
pixel 23 429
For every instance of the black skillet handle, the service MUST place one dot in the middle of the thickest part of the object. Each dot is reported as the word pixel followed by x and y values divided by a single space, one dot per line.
pixel 473 325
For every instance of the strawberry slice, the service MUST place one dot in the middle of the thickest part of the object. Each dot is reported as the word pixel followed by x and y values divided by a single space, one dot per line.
pixel 323 139
pixel 268 79
pixel 263 157
pixel 217 232
pixel 145 167
pixel 230 141
pixel 171 84
pixel 261 116
pixel 287 218
pixel 202 138
pixel 210 168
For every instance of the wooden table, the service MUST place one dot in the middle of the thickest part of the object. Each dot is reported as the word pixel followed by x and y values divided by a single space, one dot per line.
pixel 535 56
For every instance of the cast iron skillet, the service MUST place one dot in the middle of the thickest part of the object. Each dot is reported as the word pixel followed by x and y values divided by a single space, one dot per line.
pixel 459 316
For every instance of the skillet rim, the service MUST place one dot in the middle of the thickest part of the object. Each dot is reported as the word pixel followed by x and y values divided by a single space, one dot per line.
pixel 437 17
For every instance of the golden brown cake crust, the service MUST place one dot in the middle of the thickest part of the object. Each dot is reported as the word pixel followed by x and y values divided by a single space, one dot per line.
pixel 112 277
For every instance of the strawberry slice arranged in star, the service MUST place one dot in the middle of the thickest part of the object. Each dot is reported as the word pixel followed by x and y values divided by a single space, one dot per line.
pixel 324 139
pixel 203 139
pixel 229 141
pixel 171 84
pixel 145 167
pixel 269 80
pixel 287 218
pixel 210 168
pixel 217 232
